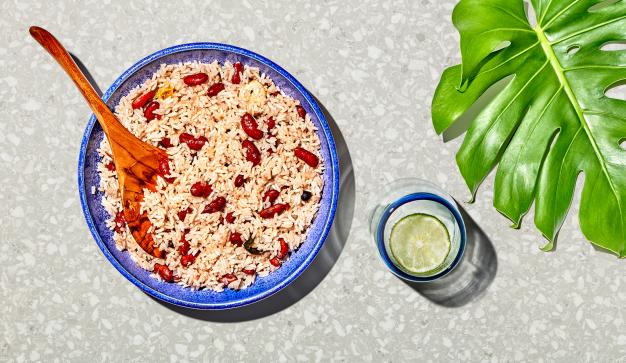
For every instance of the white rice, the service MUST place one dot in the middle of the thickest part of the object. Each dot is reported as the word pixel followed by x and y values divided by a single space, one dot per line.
pixel 190 110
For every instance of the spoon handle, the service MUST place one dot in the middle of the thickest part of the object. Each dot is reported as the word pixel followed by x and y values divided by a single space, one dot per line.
pixel 108 121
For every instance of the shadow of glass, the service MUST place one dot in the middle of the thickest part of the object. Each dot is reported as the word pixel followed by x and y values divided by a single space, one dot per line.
pixel 471 278
pixel 322 263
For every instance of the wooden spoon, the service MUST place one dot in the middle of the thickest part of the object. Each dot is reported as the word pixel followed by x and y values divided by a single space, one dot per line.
pixel 137 163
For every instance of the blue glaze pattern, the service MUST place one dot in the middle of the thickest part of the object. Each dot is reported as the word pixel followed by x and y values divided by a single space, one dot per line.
pixel 96 215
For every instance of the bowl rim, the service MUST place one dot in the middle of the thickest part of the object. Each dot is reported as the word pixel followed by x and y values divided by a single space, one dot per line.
pixel 334 161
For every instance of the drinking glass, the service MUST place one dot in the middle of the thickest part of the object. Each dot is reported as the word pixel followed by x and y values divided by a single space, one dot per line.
pixel 410 196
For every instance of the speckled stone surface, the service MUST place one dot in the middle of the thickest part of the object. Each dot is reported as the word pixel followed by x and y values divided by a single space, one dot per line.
pixel 374 65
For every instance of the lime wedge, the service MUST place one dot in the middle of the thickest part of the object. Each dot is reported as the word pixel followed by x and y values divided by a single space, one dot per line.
pixel 419 243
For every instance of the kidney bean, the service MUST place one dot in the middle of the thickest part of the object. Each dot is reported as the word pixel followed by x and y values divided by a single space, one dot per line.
pixel 301 111
pixel 239 180
pixel 228 278
pixel 201 189
pixel 164 169
pixel 183 213
pixel 284 249
pixel 217 205
pixel 148 113
pixel 270 124
pixel 250 127
pixel 141 100
pixel 196 79
pixel 187 260
pixel 248 272
pixel 184 248
pixel 166 142
pixel 306 156
pixel 235 238
pixel 163 271
pixel 197 143
pixel 164 166
pixel 215 89
pixel 230 218
pixel 276 209
pixel 275 261
pixel 185 137
pixel 238 67
pixel 194 143
pixel 253 154
pixel 120 222
pixel 236 79
pixel 110 166
pixel 271 195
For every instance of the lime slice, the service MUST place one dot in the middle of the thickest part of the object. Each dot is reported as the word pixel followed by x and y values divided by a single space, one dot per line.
pixel 419 243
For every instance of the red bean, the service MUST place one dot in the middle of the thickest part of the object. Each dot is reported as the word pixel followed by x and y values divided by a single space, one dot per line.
pixel 250 127
pixel 183 213
pixel 110 166
pixel 141 100
pixel 149 111
pixel 164 166
pixel 248 272
pixel 184 248
pixel 166 142
pixel 276 209
pixel 238 67
pixel 270 124
pixel 284 249
pixel 235 238
pixel 228 278
pixel 164 271
pixel 271 195
pixel 230 218
pixel 196 79
pixel 201 189
pixel 306 156
pixel 215 89
pixel 194 143
pixel 253 154
pixel 217 205
pixel 238 70
pixel 187 260
pixel 236 79
pixel 276 261
pixel 185 138
pixel 164 169
pixel 239 180
pixel 197 143
pixel 301 111
pixel 120 221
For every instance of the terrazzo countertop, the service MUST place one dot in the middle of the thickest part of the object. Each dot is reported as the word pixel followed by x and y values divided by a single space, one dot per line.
pixel 374 66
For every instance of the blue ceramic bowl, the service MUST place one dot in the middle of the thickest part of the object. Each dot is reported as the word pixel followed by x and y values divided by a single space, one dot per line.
pixel 96 215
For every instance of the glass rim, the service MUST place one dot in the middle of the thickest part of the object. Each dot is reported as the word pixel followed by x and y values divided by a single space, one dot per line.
pixel 391 208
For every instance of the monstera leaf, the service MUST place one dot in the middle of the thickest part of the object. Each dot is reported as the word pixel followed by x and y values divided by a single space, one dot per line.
pixel 553 120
